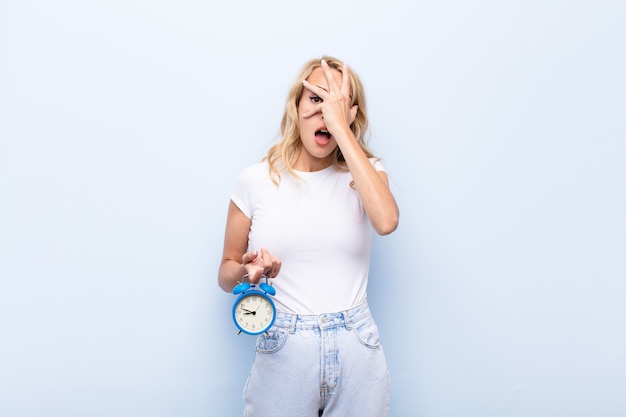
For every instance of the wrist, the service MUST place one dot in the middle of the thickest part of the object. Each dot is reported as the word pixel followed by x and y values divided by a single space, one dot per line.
pixel 344 135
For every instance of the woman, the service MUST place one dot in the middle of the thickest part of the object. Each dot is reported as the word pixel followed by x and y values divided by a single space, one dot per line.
pixel 305 212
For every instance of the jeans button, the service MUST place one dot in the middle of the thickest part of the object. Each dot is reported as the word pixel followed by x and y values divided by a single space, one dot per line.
pixel 323 319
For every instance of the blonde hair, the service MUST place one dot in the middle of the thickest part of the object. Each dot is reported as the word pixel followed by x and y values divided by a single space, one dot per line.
pixel 282 156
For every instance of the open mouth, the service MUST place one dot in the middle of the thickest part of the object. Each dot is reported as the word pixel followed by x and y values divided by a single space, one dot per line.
pixel 322 134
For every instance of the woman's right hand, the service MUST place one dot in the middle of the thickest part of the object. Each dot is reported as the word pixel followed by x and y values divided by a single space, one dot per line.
pixel 259 263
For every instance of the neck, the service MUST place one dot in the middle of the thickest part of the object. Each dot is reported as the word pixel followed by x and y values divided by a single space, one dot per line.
pixel 311 164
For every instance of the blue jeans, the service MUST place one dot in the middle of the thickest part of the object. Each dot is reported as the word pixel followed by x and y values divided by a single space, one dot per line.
pixel 331 365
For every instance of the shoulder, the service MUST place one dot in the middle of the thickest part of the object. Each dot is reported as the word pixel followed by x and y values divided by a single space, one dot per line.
pixel 255 172
pixel 255 169
pixel 255 178
pixel 251 183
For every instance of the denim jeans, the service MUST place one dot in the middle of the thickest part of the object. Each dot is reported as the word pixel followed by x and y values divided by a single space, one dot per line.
pixel 330 365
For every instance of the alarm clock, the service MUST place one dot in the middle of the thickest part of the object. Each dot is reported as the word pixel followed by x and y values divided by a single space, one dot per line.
pixel 254 311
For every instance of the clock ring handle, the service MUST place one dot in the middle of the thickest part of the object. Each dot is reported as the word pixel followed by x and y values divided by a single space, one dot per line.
pixel 266 287
pixel 242 286
pixel 245 286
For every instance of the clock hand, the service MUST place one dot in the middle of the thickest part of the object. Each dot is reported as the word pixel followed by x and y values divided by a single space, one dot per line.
pixel 249 312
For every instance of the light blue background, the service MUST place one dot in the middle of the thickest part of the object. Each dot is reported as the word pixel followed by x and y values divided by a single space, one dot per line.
pixel 123 125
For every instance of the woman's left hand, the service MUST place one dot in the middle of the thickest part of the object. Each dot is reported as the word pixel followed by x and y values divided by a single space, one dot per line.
pixel 335 105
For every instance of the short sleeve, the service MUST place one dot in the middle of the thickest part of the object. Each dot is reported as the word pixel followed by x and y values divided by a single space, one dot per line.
pixel 378 165
pixel 241 194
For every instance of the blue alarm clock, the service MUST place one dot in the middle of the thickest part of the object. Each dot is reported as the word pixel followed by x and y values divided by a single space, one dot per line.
pixel 254 311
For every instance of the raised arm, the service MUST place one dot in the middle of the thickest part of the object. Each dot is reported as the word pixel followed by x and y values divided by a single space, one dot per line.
pixel 372 185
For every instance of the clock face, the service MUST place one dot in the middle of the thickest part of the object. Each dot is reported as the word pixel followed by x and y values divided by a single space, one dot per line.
pixel 254 313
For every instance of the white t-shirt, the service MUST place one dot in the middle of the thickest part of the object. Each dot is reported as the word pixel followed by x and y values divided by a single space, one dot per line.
pixel 318 228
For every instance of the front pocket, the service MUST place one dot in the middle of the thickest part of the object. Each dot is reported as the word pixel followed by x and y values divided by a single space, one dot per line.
pixel 366 333
pixel 271 342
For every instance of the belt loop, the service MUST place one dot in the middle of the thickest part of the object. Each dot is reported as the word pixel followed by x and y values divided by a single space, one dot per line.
pixel 292 326
pixel 346 319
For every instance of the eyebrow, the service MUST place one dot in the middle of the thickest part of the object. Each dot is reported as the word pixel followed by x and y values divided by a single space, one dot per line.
pixel 317 85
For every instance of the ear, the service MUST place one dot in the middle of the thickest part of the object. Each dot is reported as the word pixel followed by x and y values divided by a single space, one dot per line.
pixel 353 111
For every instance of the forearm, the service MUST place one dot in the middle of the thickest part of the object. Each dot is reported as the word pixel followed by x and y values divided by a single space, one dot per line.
pixel 230 274
pixel 372 187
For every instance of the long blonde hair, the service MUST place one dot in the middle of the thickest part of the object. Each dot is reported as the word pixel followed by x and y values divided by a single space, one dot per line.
pixel 283 155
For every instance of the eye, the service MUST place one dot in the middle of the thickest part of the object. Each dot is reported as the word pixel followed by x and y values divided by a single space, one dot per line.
pixel 316 99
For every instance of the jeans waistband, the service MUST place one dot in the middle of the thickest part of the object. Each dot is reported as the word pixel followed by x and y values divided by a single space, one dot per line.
pixel 322 321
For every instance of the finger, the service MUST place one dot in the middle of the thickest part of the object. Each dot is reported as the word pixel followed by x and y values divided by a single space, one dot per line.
pixel 320 92
pixel 249 257
pixel 353 111
pixel 271 264
pixel 266 260
pixel 332 86
pixel 345 81
pixel 312 112
pixel 276 264
pixel 314 89
pixel 255 277
pixel 278 267
pixel 271 273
